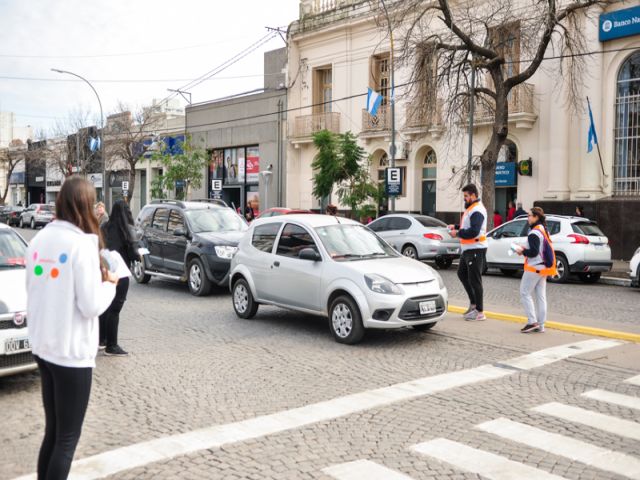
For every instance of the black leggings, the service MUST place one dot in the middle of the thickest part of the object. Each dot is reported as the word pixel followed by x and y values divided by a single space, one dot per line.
pixel 65 394
pixel 110 319
pixel 470 274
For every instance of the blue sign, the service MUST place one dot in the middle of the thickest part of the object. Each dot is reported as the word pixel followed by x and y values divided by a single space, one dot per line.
pixel 506 174
pixel 618 24
pixel 393 181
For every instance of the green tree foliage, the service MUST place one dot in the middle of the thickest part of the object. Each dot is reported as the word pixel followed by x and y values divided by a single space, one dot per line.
pixel 187 166
pixel 341 164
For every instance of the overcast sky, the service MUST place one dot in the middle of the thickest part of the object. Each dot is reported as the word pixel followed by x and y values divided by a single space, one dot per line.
pixel 168 41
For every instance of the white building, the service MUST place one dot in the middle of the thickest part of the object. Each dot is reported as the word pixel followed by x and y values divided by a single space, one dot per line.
pixel 9 131
pixel 337 50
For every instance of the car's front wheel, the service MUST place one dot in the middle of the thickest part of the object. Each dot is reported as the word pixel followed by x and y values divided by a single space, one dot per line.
pixel 243 302
pixel 138 272
pixel 199 284
pixel 345 320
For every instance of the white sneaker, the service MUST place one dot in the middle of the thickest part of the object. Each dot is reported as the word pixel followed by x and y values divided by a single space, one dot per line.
pixel 470 315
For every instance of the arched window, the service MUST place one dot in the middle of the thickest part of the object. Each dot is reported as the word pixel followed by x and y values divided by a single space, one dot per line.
pixel 626 161
pixel 430 166
pixel 382 164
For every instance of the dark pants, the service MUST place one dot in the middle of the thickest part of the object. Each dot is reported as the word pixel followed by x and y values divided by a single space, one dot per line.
pixel 65 394
pixel 110 319
pixel 470 274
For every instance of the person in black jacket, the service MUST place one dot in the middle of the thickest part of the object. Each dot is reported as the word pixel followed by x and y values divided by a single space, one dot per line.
pixel 118 236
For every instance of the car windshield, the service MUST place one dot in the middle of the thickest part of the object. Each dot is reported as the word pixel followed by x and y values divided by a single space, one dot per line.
pixel 587 228
pixel 215 220
pixel 429 221
pixel 12 250
pixel 353 242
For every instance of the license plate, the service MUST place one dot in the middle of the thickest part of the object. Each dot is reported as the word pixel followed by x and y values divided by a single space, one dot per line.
pixel 453 250
pixel 427 307
pixel 16 345
pixel 599 247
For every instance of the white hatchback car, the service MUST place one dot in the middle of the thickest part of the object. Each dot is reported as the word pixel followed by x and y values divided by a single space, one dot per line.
pixel 634 267
pixel 581 247
pixel 337 268
pixel 15 353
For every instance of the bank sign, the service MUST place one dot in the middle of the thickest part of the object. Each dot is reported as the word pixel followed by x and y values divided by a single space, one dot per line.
pixel 618 24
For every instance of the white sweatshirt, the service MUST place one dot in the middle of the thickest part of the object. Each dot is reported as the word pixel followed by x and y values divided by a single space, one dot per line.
pixel 65 295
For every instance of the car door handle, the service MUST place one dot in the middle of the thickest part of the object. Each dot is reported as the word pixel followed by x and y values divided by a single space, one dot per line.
pixel 276 264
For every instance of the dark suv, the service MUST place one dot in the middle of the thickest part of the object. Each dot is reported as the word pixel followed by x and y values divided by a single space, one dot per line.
pixel 191 242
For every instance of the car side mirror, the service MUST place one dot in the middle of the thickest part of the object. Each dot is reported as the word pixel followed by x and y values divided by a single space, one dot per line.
pixel 497 235
pixel 309 254
pixel 180 232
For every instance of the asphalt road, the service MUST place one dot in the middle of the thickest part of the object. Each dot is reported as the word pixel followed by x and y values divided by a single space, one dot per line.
pixel 193 365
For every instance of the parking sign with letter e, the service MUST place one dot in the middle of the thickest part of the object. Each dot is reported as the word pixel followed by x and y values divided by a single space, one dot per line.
pixel 393 181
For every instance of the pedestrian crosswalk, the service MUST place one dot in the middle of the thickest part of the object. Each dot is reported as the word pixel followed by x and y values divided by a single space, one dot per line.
pixel 491 466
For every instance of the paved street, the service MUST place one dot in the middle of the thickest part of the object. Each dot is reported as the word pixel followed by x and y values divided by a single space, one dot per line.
pixel 194 365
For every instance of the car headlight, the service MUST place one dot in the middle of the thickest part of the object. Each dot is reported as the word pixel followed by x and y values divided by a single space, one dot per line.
pixel 226 251
pixel 379 284
pixel 439 278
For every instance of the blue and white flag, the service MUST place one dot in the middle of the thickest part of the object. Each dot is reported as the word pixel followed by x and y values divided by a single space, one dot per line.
pixel 374 99
pixel 593 138
pixel 94 143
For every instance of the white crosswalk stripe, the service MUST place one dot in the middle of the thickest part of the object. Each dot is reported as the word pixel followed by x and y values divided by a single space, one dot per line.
pixel 606 423
pixel 633 380
pixel 363 469
pixel 575 450
pixel 615 398
pixel 486 464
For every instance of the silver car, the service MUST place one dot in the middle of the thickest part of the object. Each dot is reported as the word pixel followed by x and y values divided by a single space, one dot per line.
pixel 337 268
pixel 419 236
pixel 37 215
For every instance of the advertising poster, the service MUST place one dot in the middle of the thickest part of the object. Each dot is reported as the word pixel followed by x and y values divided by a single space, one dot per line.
pixel 240 164
pixel 253 165
pixel 253 202
pixel 230 166
pixel 216 165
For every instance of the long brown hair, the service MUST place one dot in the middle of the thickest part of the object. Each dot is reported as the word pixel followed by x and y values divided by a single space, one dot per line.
pixel 75 205
pixel 542 218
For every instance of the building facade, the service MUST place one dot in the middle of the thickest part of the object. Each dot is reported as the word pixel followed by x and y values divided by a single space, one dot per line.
pixel 338 48
pixel 244 138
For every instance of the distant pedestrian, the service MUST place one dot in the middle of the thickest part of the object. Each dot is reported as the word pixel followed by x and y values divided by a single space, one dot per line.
pixel 66 289
pixel 520 212
pixel 101 213
pixel 497 219
pixel 579 211
pixel 118 236
pixel 248 214
pixel 332 210
pixel 473 242
pixel 540 263
pixel 511 211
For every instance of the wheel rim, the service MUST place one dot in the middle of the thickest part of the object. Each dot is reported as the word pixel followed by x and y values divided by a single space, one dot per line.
pixel 195 277
pixel 33 224
pixel 561 269
pixel 409 252
pixel 137 269
pixel 241 298
pixel 342 320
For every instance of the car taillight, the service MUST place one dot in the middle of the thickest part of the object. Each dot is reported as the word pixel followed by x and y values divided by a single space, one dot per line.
pixel 579 239
pixel 433 236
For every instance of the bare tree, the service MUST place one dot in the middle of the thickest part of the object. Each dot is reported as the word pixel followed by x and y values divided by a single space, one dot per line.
pixel 75 128
pixel 10 158
pixel 505 41
pixel 124 137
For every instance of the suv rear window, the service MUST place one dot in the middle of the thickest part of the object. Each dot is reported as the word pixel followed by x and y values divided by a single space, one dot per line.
pixel 587 228
pixel 47 208
pixel 264 236
pixel 429 221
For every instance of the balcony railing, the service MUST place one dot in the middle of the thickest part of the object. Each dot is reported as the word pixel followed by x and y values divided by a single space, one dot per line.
pixel 423 115
pixel 520 101
pixel 377 123
pixel 307 125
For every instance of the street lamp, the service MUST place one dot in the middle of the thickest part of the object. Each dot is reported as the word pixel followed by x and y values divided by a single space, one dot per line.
pixel 104 176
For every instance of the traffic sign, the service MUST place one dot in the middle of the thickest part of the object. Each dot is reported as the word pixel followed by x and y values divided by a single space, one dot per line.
pixel 125 185
pixel 216 185
pixel 393 181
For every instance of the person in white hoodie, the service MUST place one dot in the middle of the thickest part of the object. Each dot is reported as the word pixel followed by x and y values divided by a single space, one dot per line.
pixel 67 289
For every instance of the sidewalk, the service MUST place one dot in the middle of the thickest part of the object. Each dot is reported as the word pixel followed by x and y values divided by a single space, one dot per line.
pixel 619 274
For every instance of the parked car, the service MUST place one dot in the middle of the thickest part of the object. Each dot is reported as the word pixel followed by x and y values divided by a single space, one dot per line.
pixel 277 211
pixel 191 242
pixel 635 269
pixel 37 215
pixel 419 236
pixel 581 247
pixel 15 353
pixel 336 268
pixel 10 215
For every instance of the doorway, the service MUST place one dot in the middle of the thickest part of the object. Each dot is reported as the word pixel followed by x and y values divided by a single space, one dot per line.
pixel 233 197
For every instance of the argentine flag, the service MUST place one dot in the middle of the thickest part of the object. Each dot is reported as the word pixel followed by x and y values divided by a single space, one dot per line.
pixel 593 138
pixel 374 99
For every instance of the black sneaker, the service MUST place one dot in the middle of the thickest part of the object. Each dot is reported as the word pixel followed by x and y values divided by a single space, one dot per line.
pixel 530 327
pixel 116 351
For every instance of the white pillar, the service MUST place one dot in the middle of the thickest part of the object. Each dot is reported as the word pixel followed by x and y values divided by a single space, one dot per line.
pixel 557 161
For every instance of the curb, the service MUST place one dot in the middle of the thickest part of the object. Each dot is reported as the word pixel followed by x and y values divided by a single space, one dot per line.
pixel 619 282
pixel 567 327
